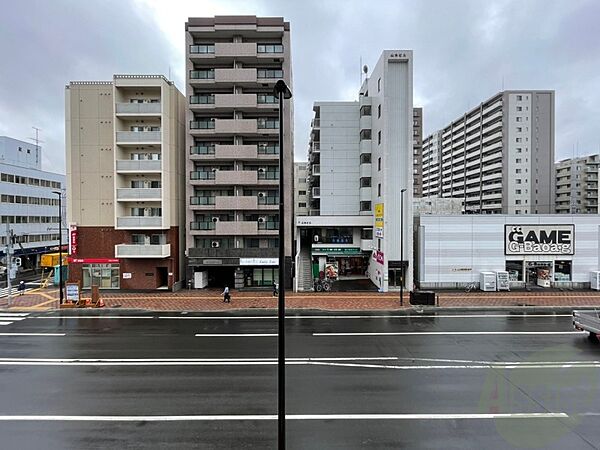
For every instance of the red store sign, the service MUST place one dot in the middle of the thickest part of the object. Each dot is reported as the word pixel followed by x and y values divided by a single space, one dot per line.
pixel 93 260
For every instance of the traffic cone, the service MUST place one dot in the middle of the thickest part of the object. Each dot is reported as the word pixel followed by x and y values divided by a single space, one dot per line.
pixel 100 303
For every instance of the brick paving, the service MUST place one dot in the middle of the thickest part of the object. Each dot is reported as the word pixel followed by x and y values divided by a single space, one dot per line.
pixel 211 300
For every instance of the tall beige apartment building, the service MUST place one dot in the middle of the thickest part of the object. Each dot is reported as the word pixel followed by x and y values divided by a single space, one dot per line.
pixel 577 185
pixel 417 152
pixel 125 159
pixel 498 157
pixel 232 146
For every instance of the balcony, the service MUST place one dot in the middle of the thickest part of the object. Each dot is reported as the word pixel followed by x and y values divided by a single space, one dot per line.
pixel 138 137
pixel 364 170
pixel 316 192
pixel 224 228
pixel 139 222
pixel 224 177
pixel 139 194
pixel 137 166
pixel 235 75
pixel 142 251
pixel 223 126
pixel 365 123
pixel 316 169
pixel 138 109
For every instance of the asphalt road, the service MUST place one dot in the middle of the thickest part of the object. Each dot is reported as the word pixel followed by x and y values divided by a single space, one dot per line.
pixel 76 380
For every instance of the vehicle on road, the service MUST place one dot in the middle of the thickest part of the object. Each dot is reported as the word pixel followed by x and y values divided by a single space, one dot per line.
pixel 587 321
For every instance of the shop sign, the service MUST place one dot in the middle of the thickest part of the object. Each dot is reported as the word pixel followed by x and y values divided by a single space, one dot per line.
pixel 379 232
pixel 73 235
pixel 259 261
pixel 126 275
pixel 539 239
pixel 93 260
pixel 378 256
pixel 338 250
pixel 378 211
pixel 72 291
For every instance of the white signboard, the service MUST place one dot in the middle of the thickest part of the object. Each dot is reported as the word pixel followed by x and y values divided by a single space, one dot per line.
pixel 539 239
pixel 126 275
pixel 72 292
pixel 259 261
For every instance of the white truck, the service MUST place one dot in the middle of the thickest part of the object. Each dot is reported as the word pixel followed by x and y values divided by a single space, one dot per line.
pixel 587 321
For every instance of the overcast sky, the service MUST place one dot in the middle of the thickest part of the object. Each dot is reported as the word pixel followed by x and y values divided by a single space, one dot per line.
pixel 464 51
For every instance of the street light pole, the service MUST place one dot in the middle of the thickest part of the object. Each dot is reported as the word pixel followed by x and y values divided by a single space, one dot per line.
pixel 282 92
pixel 402 191
pixel 60 271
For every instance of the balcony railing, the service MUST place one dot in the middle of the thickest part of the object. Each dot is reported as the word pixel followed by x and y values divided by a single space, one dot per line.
pixel 268 200
pixel 138 165
pixel 269 48
pixel 138 193
pixel 202 175
pixel 202 125
pixel 202 150
pixel 267 124
pixel 272 149
pixel 209 225
pixel 142 251
pixel 138 136
pixel 208 74
pixel 208 99
pixel 139 222
pixel 268 175
pixel 138 108
pixel 202 201
pixel 268 225
pixel 269 73
pixel 207 48
pixel 263 99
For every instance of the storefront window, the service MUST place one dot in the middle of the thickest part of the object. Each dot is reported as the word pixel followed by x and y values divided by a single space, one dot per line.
pixel 562 271
pixel 106 276
pixel 515 270
pixel 260 276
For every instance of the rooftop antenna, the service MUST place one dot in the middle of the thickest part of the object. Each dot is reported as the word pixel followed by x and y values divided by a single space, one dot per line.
pixel 36 139
pixel 169 72
pixel 503 83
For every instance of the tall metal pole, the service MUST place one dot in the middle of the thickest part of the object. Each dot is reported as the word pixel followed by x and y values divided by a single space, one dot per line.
pixel 9 253
pixel 402 191
pixel 282 91
pixel 60 259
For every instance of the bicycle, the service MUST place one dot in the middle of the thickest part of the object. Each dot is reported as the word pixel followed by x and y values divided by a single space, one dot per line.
pixel 322 285
pixel 471 286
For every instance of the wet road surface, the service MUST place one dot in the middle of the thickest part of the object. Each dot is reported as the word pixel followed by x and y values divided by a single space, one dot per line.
pixel 89 379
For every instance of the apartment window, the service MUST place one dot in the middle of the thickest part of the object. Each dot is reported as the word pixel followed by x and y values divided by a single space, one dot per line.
pixel 379 164
pixel 518 211
pixel 519 119
pixel 365 134
pixel 379 138
pixel 517 191
pixel 379 85
pixel 379 190
pixel 301 192
pixel 519 97
pixel 518 181
pixel 518 202
pixel 365 158
pixel 365 182
pixel 519 129
pixel 519 150
pixel 518 160
pixel 301 205
pixel 378 111
pixel 519 108
pixel 365 206
pixel 365 110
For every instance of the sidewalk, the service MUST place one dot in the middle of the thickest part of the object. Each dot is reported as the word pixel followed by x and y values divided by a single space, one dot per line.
pixel 211 300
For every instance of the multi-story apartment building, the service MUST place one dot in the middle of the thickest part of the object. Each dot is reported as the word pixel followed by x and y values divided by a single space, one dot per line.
pixel 125 156
pixel 497 157
pixel 300 189
pixel 577 185
pixel 417 152
pixel 232 164
pixel 28 203
pixel 360 167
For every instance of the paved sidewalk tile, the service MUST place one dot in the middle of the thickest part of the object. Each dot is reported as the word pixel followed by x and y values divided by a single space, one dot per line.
pixel 211 300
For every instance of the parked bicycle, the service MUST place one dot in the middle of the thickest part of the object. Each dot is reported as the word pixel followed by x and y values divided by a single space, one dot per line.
pixel 322 285
pixel 471 286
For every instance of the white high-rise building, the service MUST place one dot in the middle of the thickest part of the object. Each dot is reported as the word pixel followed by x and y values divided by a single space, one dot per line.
pixel 360 167
pixel 577 185
pixel 497 157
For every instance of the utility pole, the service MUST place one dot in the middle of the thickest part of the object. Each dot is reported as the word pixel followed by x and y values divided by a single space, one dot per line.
pixel 9 253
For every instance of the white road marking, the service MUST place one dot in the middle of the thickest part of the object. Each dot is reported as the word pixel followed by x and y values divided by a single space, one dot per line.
pixel 423 316
pixel 11 314
pixel 261 417
pixel 237 335
pixel 454 333
pixel 5 323
pixel 11 318
pixel 512 363
pixel 33 334
pixel 94 317
pixel 462 366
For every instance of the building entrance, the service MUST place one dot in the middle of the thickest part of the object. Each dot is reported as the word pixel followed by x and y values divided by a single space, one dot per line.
pixel 538 273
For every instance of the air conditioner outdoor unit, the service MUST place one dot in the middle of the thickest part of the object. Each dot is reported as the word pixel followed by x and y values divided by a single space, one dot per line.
pixel 215 219
pixel 215 244
pixel 262 169
pixel 261 220
pixel 262 194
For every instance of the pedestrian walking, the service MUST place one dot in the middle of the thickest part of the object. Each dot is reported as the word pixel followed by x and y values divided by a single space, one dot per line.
pixel 21 287
pixel 226 295
pixel 275 289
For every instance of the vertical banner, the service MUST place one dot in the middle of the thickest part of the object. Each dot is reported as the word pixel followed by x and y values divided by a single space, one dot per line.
pixel 73 235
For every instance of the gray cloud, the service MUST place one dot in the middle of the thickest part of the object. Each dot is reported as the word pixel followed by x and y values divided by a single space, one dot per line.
pixel 463 51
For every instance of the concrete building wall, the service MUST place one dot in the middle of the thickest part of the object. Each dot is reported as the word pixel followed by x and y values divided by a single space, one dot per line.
pixel 20 153
pixel 300 189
